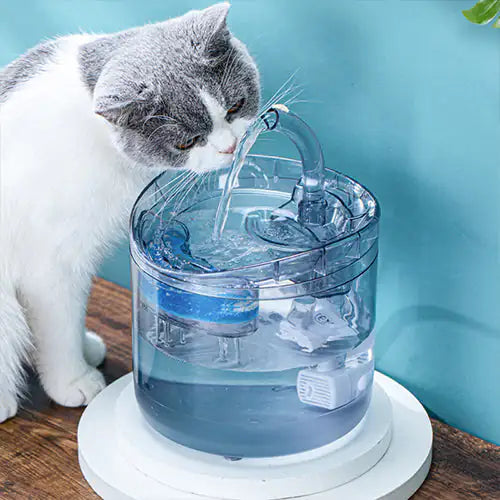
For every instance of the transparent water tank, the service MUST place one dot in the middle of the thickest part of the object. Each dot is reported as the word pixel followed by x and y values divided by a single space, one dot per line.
pixel 259 344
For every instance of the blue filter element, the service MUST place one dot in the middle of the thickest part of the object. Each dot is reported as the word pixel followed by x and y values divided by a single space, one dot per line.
pixel 240 308
pixel 170 246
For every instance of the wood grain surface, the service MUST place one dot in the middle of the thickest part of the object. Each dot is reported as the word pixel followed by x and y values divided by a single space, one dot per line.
pixel 38 451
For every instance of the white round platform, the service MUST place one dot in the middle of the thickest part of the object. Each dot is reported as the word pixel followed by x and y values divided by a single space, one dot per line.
pixel 123 458
pixel 272 478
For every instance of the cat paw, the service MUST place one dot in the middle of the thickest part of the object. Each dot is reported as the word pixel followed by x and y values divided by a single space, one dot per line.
pixel 94 349
pixel 80 391
pixel 8 406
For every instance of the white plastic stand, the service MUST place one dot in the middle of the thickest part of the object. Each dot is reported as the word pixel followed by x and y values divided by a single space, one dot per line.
pixel 386 456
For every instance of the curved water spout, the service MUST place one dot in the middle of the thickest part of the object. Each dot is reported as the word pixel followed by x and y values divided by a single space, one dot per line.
pixel 312 204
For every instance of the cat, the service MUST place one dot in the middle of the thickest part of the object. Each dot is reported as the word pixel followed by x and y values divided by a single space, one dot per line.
pixel 86 121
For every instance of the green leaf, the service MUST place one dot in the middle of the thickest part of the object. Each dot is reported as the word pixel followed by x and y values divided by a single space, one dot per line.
pixel 496 24
pixel 483 12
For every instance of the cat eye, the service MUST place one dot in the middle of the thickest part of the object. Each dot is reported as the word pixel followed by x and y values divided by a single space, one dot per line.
pixel 188 144
pixel 235 107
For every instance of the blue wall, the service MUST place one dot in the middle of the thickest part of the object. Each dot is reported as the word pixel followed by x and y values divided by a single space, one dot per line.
pixel 404 97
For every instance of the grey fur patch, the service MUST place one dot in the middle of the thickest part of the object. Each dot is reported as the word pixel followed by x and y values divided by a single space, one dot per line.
pixel 94 55
pixel 26 67
pixel 147 82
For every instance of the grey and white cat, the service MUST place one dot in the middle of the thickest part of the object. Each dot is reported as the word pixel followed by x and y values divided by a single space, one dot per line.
pixel 85 122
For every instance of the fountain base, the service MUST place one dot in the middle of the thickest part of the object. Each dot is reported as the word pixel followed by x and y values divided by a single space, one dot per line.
pixel 122 457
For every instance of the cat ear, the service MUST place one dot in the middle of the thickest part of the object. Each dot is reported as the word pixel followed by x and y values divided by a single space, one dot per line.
pixel 112 108
pixel 116 102
pixel 213 29
pixel 215 16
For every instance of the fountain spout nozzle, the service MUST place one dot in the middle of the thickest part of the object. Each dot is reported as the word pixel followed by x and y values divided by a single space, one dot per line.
pixel 312 204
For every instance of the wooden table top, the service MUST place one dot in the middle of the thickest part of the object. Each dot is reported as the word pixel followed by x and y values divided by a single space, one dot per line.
pixel 38 451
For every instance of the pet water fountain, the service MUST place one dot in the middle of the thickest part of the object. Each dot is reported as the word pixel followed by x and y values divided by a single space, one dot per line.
pixel 253 334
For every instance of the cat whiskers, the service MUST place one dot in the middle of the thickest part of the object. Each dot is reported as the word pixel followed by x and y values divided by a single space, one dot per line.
pixel 284 91
pixel 194 182
pixel 178 188
pixel 201 183
pixel 172 182
pixel 161 202
pixel 160 127
pixel 228 69
pixel 185 178
pixel 161 117
pixel 179 175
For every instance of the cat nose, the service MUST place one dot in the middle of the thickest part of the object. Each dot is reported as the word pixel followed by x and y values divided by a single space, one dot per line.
pixel 230 150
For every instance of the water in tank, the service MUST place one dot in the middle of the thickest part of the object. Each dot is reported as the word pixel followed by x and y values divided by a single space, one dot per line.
pixel 254 301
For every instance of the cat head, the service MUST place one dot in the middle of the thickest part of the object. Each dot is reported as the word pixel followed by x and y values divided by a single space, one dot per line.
pixel 178 94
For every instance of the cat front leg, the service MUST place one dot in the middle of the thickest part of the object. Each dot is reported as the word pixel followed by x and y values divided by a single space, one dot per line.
pixel 15 347
pixel 57 319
